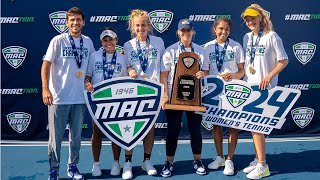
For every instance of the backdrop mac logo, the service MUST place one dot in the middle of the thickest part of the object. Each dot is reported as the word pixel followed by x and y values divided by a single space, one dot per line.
pixel 58 21
pixel 304 51
pixel 14 55
pixel 161 19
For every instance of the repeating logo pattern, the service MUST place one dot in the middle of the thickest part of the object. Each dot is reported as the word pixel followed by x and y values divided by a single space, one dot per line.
pixel 302 116
pixel 304 51
pixel 125 109
pixel 19 121
pixel 58 21
pixel 161 19
pixel 14 55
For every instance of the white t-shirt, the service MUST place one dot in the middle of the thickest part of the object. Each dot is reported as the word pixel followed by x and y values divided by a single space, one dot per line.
pixel 170 58
pixel 156 49
pixel 65 86
pixel 269 52
pixel 233 57
pixel 95 66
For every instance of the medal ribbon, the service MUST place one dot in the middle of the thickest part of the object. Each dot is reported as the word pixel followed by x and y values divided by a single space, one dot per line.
pixel 74 50
pixel 143 57
pixel 221 55
pixel 253 48
pixel 108 70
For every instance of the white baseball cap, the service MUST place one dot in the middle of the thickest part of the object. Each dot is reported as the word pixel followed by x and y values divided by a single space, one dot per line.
pixel 108 33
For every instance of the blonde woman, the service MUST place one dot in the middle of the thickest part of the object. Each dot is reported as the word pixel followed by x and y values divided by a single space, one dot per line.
pixel 143 53
pixel 265 59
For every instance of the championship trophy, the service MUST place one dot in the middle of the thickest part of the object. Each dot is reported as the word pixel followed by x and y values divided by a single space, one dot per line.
pixel 185 94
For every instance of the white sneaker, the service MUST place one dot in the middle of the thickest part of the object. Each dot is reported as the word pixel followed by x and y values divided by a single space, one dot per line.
pixel 228 168
pixel 259 172
pixel 251 166
pixel 127 170
pixel 115 170
pixel 147 166
pixel 217 162
pixel 96 169
pixel 74 173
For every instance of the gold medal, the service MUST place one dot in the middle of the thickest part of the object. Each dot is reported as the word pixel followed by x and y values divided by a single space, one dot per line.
pixel 145 76
pixel 79 74
pixel 252 71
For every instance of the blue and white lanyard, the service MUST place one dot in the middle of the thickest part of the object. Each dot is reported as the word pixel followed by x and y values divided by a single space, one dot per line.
pixel 143 57
pixel 221 55
pixel 183 49
pixel 108 70
pixel 74 50
pixel 253 48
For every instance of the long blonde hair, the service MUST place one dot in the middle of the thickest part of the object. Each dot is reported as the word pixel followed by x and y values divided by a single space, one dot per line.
pixel 138 13
pixel 265 23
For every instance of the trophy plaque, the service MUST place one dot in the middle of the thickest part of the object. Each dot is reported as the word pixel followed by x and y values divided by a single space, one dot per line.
pixel 186 88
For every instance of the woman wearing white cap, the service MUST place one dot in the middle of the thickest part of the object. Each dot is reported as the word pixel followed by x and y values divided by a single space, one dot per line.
pixel 104 64
pixel 265 59
pixel 226 60
pixel 143 53
pixel 185 33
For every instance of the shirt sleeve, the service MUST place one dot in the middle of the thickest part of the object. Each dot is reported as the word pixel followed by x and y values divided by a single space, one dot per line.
pixel 52 51
pixel 238 54
pixel 92 49
pixel 166 61
pixel 278 47
pixel 90 67
pixel 205 61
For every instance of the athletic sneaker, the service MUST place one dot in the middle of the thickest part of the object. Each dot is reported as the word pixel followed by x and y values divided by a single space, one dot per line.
pixel 259 172
pixel 251 166
pixel 127 170
pixel 54 175
pixel 147 166
pixel 73 172
pixel 115 170
pixel 217 162
pixel 167 169
pixel 228 168
pixel 198 166
pixel 96 169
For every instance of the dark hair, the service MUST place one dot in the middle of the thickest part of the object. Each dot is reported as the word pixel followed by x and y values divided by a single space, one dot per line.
pixel 218 21
pixel 110 28
pixel 74 10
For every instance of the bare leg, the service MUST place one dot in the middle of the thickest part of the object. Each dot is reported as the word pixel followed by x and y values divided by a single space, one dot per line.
pixel 148 141
pixel 116 151
pixel 196 157
pixel 260 147
pixel 218 139
pixel 232 142
pixel 96 141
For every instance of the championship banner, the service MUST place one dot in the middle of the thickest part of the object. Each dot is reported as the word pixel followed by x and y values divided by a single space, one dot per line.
pixel 240 105
pixel 125 109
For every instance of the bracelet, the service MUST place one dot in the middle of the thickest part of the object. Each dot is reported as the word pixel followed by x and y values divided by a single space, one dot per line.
pixel 165 96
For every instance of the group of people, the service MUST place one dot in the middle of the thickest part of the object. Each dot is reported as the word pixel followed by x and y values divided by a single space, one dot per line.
pixel 71 65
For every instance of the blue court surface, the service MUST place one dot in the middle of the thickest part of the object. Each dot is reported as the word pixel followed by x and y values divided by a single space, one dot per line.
pixel 288 158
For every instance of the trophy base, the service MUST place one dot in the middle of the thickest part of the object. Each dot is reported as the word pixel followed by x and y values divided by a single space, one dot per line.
pixel 185 107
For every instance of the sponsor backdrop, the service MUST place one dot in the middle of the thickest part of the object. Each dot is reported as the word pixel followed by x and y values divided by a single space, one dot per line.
pixel 27 31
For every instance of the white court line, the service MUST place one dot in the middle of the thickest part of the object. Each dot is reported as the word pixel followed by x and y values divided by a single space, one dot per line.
pixel 205 141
